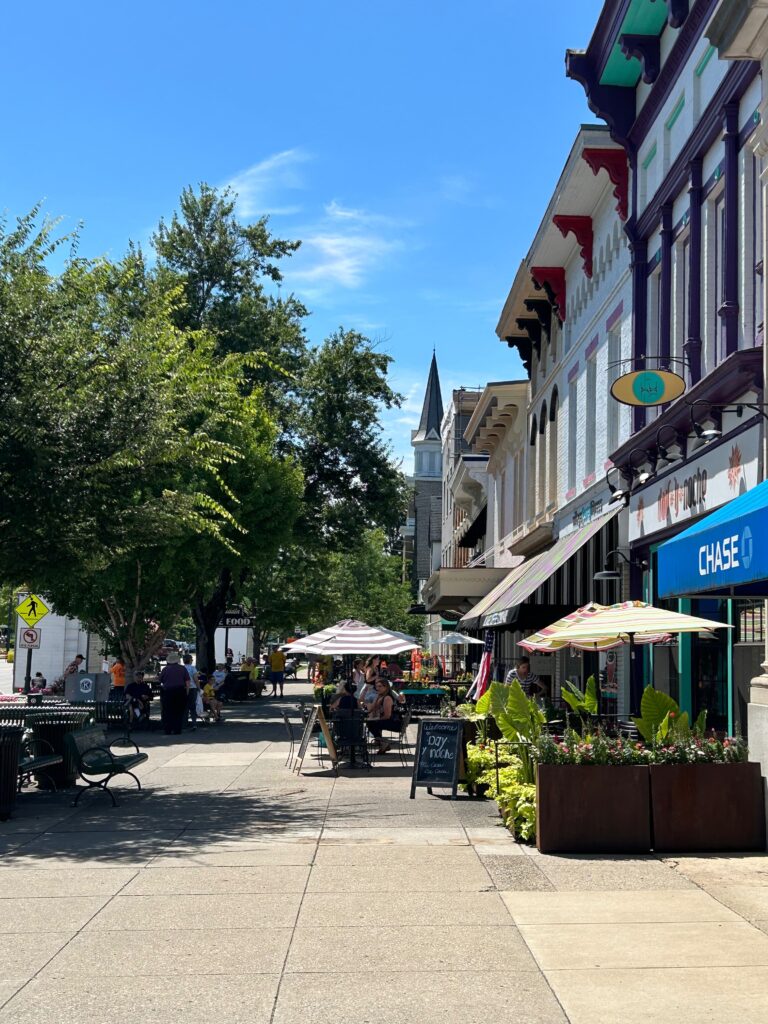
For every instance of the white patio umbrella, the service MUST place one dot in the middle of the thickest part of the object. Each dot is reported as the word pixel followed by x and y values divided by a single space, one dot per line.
pixel 351 637
pixel 456 639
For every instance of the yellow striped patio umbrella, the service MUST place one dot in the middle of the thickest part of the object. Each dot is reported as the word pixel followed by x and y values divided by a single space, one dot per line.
pixel 598 628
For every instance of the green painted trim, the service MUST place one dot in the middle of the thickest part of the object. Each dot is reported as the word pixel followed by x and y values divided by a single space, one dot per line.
pixel 708 55
pixel 643 18
pixel 686 662
pixel 650 158
pixel 676 112
pixel 729 668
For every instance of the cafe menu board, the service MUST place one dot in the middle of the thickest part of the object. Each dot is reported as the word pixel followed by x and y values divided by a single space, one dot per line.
pixel 316 717
pixel 439 754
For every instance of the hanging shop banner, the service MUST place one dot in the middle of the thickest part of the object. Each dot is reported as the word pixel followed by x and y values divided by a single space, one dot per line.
pixel 720 474
pixel 647 387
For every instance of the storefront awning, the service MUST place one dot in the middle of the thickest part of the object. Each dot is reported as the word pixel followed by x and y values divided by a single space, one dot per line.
pixel 528 577
pixel 472 618
pixel 725 554
pixel 456 590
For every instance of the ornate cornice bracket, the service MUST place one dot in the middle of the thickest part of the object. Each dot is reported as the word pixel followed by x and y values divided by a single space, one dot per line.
pixel 647 50
pixel 615 163
pixel 615 104
pixel 542 309
pixel 678 12
pixel 581 229
pixel 532 327
pixel 552 280
pixel 524 347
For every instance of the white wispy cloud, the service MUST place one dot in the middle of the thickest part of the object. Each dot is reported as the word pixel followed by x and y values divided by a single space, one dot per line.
pixel 455 188
pixel 259 187
pixel 344 259
pixel 358 217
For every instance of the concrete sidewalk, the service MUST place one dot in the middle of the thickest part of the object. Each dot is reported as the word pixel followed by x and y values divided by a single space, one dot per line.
pixel 234 891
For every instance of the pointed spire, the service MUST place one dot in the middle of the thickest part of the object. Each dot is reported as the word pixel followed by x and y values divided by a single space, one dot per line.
pixel 432 411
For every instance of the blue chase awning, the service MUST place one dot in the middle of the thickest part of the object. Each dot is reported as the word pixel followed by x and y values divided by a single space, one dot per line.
pixel 723 555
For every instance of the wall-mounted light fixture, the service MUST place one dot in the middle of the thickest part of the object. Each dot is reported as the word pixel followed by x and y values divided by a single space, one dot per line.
pixel 606 574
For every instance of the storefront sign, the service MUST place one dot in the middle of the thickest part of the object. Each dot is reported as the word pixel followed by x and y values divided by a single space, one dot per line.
pixel 700 485
pixel 648 387
pixel 724 551
pixel 587 513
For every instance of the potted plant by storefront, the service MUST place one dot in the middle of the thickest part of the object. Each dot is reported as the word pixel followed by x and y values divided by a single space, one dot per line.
pixel 705 794
pixel 592 795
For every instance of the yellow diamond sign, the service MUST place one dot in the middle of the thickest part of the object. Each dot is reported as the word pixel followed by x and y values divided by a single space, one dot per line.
pixel 32 609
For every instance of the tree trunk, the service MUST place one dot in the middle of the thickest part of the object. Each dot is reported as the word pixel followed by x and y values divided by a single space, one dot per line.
pixel 207 616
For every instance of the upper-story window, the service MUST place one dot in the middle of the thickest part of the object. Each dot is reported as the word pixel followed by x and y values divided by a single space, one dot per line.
pixel 552 452
pixel 531 474
pixel 573 426
pixel 590 434
pixel 681 271
pixel 614 371
pixel 541 483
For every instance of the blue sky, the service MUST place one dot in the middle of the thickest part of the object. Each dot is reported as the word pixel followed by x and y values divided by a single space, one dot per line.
pixel 412 146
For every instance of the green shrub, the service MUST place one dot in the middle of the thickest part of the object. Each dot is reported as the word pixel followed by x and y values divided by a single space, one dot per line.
pixel 516 800
pixel 481 758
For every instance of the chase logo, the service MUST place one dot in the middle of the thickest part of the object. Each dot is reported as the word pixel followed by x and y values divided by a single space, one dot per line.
pixel 746 547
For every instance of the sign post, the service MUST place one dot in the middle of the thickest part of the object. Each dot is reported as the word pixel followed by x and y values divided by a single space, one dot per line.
pixel 439 757
pixel 31 610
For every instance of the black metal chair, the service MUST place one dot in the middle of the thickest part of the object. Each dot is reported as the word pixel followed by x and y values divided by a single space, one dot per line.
pixel 349 735
pixel 291 737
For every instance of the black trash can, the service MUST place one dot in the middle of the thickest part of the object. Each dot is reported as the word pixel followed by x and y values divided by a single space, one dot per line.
pixel 10 748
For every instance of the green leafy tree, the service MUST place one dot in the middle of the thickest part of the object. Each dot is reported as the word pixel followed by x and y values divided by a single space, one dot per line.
pixel 133 460
pixel 326 401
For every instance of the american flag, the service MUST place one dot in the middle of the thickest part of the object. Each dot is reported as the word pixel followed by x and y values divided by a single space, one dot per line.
pixel 483 677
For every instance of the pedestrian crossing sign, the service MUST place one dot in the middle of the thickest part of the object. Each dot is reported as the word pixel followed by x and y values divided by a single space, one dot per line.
pixel 32 609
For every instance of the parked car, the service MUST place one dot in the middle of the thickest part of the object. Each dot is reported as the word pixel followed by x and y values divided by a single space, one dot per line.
pixel 167 646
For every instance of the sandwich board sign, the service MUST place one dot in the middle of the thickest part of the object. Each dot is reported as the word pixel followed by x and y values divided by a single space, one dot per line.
pixel 316 717
pixel 439 760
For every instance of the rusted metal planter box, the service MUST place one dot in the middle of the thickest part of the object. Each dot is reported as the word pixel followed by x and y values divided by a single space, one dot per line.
pixel 697 807
pixel 593 809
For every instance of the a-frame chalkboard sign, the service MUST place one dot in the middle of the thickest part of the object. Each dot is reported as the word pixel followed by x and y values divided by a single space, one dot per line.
pixel 316 717
pixel 439 760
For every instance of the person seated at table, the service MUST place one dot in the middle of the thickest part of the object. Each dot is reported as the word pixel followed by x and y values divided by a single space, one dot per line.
pixel 219 679
pixel 139 695
pixel 346 699
pixel 381 714
pixel 211 703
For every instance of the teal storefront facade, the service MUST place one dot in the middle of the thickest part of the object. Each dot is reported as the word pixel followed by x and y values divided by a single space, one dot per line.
pixel 707 670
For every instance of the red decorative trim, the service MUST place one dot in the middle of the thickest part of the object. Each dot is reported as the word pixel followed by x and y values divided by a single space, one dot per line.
pixel 570 494
pixel 614 161
pixel 581 227
pixel 573 372
pixel 608 464
pixel 615 316
pixel 591 347
pixel 552 280
pixel 588 480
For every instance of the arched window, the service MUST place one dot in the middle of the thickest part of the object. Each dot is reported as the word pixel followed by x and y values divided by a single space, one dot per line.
pixel 552 453
pixel 531 473
pixel 541 456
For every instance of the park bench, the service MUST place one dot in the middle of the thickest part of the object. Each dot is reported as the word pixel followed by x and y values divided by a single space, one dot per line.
pixel 96 764
pixel 36 758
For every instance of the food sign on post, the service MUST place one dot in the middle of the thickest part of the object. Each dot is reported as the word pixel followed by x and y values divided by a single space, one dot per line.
pixel 439 757
pixel 31 609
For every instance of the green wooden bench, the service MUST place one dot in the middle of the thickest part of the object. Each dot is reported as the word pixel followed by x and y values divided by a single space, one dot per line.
pixel 96 764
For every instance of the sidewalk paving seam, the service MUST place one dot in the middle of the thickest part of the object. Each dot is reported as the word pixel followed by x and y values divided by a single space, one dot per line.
pixel 77 933
pixel 301 902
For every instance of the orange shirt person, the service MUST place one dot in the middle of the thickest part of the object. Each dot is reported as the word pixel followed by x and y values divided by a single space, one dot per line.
pixel 118 674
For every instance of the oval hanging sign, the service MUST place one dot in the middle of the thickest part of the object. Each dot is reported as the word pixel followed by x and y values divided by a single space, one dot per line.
pixel 648 387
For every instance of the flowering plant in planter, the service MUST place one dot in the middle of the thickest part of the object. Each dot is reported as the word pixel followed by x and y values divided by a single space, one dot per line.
pixel 597 748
